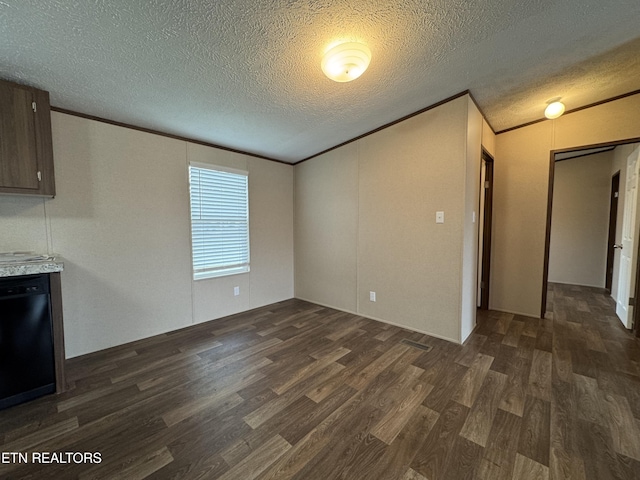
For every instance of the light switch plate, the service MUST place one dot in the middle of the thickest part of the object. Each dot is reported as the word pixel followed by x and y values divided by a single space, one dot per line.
pixel 236 291
pixel 439 217
pixel 372 296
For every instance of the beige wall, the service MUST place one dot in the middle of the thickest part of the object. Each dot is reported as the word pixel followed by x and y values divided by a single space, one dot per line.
pixel 326 228
pixel 488 138
pixel 520 195
pixel 580 220
pixel 271 212
pixel 22 223
pixel 390 185
pixel 271 238
pixel 120 220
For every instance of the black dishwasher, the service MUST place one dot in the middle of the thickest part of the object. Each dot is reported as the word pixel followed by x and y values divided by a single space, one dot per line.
pixel 27 368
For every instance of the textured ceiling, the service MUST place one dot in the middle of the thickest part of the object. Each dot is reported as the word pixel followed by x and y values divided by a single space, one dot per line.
pixel 246 74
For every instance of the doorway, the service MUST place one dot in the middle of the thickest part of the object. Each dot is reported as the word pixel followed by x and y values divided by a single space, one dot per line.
pixel 484 230
pixel 613 221
pixel 577 151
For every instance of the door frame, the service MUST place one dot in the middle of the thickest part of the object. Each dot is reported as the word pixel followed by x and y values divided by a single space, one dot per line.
pixel 487 228
pixel 547 242
pixel 611 237
pixel 635 314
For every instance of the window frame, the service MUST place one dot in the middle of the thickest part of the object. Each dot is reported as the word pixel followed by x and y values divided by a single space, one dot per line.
pixel 217 272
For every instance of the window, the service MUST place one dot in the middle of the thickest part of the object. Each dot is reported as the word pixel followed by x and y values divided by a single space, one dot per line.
pixel 219 221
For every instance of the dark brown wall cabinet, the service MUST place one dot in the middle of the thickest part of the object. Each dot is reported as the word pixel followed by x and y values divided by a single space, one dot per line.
pixel 26 150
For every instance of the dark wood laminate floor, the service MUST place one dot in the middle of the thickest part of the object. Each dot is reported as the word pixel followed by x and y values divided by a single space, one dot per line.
pixel 295 390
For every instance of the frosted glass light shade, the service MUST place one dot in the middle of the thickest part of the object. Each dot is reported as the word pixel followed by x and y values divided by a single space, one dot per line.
pixel 554 110
pixel 346 61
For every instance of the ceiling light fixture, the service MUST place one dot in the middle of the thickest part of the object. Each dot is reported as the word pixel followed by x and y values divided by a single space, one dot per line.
pixel 554 110
pixel 346 61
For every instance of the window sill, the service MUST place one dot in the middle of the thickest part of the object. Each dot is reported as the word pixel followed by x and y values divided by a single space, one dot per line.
pixel 220 273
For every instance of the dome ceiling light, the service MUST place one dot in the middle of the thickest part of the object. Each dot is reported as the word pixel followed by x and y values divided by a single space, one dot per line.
pixel 346 61
pixel 554 110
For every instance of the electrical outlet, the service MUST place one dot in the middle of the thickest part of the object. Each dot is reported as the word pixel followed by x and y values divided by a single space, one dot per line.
pixel 372 296
pixel 439 217
pixel 236 291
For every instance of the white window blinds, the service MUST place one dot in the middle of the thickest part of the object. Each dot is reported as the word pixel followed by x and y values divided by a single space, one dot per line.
pixel 219 221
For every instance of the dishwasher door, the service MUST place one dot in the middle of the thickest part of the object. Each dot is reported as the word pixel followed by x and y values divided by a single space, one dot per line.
pixel 27 368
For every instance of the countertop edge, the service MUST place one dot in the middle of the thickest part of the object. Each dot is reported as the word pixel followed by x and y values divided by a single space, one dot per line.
pixel 30 268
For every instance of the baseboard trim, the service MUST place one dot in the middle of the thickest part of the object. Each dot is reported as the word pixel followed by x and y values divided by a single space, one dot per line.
pixel 578 284
pixel 381 320
pixel 528 315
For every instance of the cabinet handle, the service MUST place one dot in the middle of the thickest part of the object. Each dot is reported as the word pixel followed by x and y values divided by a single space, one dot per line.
pixel 39 176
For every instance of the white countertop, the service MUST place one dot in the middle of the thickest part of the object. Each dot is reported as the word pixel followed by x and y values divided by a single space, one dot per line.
pixel 30 267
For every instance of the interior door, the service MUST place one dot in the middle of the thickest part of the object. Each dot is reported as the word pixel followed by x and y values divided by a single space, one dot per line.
pixel 627 254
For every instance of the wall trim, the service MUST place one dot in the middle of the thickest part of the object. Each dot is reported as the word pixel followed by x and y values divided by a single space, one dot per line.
pixel 263 157
pixel 401 119
pixel 573 110
pixel 162 134
pixel 586 154
pixel 511 312
pixel 578 284
pixel 613 143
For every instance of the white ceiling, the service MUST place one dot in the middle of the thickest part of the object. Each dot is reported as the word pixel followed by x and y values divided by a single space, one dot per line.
pixel 246 74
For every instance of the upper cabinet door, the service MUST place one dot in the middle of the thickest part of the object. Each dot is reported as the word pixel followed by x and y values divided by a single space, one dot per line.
pixel 18 152
pixel 26 153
